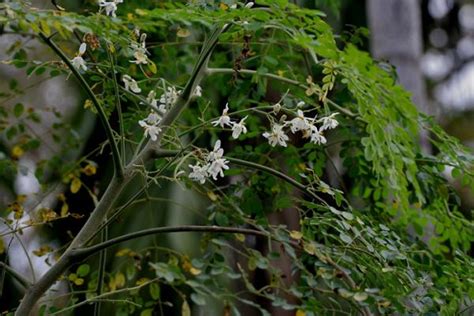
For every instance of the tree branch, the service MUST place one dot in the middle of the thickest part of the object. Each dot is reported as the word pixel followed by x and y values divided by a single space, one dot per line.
pixel 85 252
pixel 212 71
pixel 25 282
pixel 100 112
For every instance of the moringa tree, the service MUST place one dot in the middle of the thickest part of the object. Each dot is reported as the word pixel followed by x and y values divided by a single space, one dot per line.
pixel 241 103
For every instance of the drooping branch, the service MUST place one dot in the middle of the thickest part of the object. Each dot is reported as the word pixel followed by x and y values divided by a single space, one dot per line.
pixel 85 252
pixel 170 153
pixel 98 107
pixel 212 71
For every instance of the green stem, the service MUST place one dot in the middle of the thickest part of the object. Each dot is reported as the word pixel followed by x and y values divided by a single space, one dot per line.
pixel 118 105
pixel 278 174
pixel 212 71
pixel 103 118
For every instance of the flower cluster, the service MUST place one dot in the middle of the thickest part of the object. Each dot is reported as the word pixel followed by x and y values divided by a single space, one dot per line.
pixel 160 106
pixel 301 123
pixel 78 62
pixel 224 120
pixel 110 6
pixel 214 166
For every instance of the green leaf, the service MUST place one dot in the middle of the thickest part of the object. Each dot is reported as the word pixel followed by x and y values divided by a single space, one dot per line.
pixel 83 270
pixel 155 291
pixel 198 299
pixel 18 109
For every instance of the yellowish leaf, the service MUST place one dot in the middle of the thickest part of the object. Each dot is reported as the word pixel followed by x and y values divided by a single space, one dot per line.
pixel 142 281
pixel 152 67
pixel 223 6
pixel 185 310
pixel 90 169
pixel 42 251
pixel 120 280
pixel 64 210
pixel 47 214
pixel 122 252
pixel 212 196
pixel 88 104
pixel 194 271
pixel 240 237
pixel 17 152
pixel 75 185
pixel 296 234
pixel 300 312
pixel 183 32
pixel 79 281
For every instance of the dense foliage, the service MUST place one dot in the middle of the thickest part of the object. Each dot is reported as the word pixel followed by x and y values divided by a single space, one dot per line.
pixel 313 127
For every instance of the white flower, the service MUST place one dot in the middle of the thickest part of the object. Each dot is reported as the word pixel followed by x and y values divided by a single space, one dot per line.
pixel 276 108
pixel 110 6
pixel 140 56
pixel 299 123
pixel 131 84
pixel 151 98
pixel 239 128
pixel 217 153
pixel 198 91
pixel 329 122
pixel 224 119
pixel 150 130
pixel 152 118
pixel 169 98
pixel 78 62
pixel 277 136
pixel 199 173
pixel 300 104
pixel 217 167
pixel 139 51
pixel 150 124
pixel 317 137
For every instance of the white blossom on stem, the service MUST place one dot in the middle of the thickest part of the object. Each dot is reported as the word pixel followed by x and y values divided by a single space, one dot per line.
pixel 224 119
pixel 329 122
pixel 150 124
pixel 169 98
pixel 139 51
pixel 317 136
pixel 216 153
pixel 151 98
pixel 197 91
pixel 110 6
pixel 78 62
pixel 217 167
pixel 276 136
pixel 199 173
pixel 299 123
pixel 131 84
pixel 217 164
pixel 239 128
